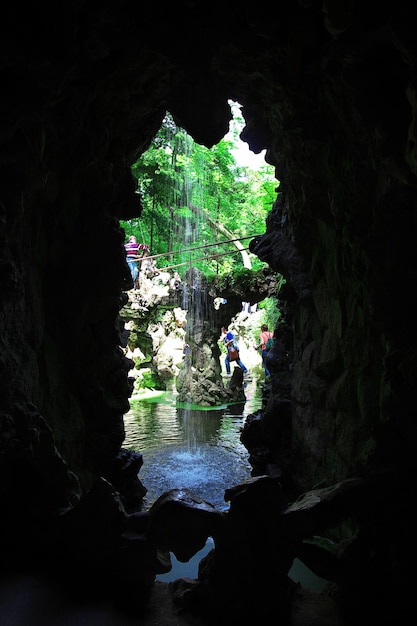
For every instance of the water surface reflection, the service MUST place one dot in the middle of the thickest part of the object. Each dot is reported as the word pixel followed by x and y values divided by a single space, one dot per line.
pixel 192 448
pixel 200 450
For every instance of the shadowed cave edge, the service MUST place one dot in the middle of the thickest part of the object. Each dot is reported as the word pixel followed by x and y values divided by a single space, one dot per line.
pixel 329 91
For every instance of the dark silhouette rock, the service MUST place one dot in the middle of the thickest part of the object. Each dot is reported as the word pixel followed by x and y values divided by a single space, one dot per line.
pixel 329 92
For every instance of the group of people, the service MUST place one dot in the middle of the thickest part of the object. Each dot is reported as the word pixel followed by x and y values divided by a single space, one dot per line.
pixel 135 252
pixel 232 349
pixel 138 252
pixel 141 262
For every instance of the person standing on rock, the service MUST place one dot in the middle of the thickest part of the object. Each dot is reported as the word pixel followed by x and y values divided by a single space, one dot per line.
pixel 230 343
pixel 132 249
pixel 263 339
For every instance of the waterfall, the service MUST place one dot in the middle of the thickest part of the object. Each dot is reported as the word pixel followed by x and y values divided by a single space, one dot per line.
pixel 188 195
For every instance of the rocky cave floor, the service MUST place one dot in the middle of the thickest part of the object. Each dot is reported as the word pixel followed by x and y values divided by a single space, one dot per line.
pixel 29 600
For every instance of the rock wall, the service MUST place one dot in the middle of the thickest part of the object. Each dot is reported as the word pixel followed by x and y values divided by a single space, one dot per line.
pixel 329 90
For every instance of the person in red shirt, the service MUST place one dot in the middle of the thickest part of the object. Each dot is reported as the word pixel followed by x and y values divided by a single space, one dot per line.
pixel 263 338
pixel 132 249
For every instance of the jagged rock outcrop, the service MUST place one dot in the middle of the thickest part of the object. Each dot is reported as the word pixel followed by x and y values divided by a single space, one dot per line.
pixel 195 365
pixel 328 89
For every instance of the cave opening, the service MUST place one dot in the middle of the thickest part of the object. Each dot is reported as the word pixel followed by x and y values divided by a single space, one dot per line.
pixel 234 142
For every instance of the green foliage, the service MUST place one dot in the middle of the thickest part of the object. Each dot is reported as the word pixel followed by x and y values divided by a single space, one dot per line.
pixel 271 312
pixel 148 379
pixel 241 280
pixel 189 193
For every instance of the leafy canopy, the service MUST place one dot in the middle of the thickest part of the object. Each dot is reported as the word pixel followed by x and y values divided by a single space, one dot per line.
pixel 194 198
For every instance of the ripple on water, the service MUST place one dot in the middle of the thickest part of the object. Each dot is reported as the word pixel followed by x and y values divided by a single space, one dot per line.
pixel 199 450
pixel 205 471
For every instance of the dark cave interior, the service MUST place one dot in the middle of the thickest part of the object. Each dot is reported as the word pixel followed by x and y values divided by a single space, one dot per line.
pixel 329 90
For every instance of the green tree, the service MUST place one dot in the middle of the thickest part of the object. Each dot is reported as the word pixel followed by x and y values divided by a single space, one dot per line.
pixel 188 191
